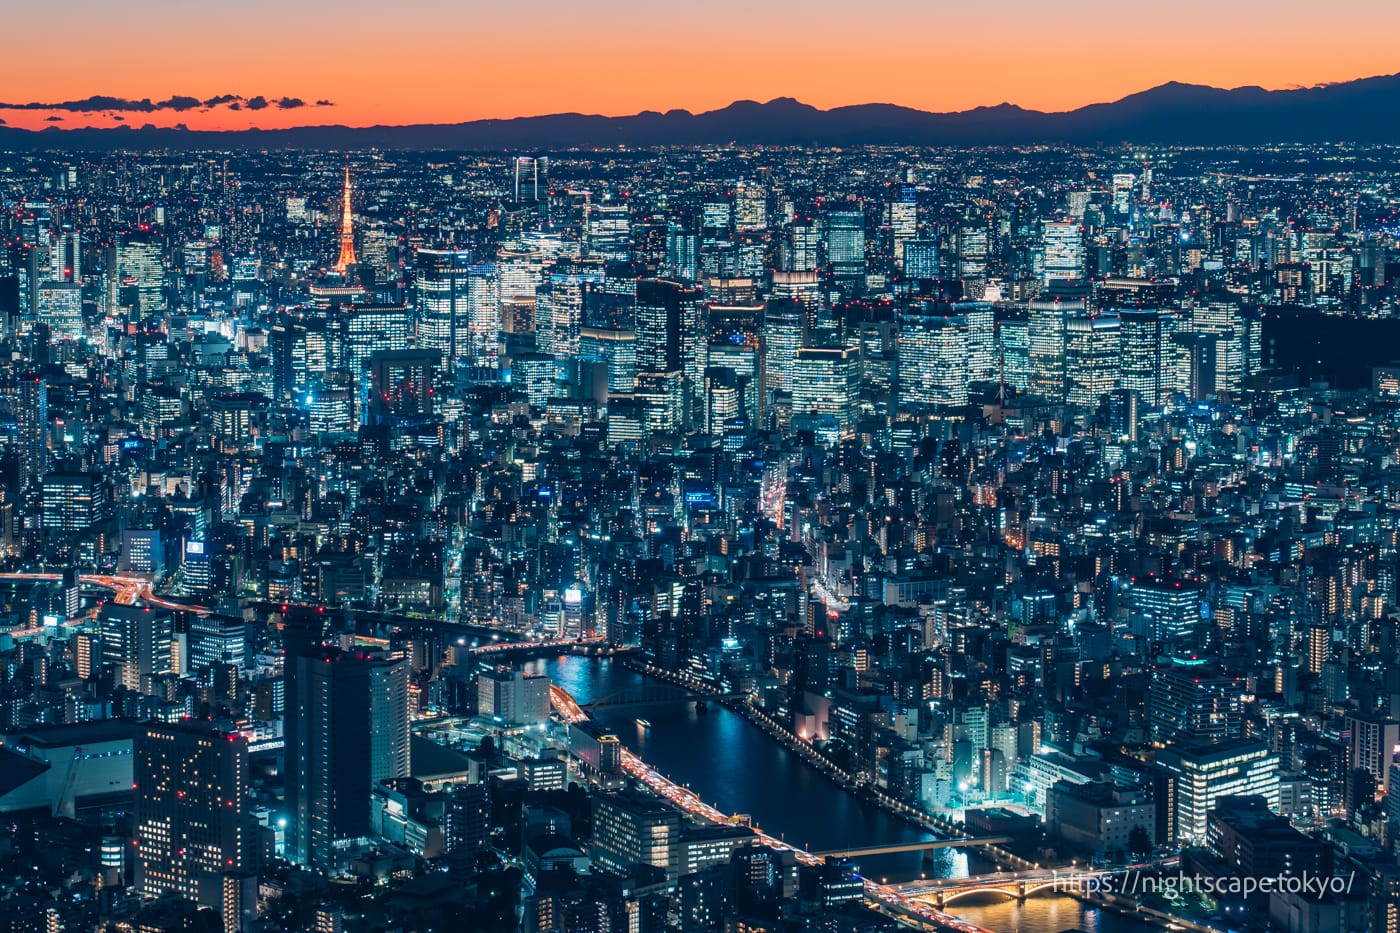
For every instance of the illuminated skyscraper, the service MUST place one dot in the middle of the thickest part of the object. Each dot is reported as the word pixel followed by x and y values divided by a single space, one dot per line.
pixel 559 305
pixel 1061 252
pixel 800 246
pixel 826 384
pixel 902 216
pixel 369 328
pixel 139 273
pixel 661 315
pixel 191 785
pixel 1226 323
pixel 60 305
pixel 1201 774
pixel 1144 336
pixel 682 254
pixel 442 284
pixel 973 250
pixel 981 334
pixel 750 207
pixel 1123 191
pixel 346 729
pixel 921 259
pixel 29 404
pixel 784 323
pixel 531 178
pixel 138 643
pixel 1091 359
pixel 933 358
pixel 484 321
pixel 1045 340
pixel 845 245
pixel 618 350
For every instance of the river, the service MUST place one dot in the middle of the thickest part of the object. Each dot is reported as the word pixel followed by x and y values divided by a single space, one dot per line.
pixel 734 766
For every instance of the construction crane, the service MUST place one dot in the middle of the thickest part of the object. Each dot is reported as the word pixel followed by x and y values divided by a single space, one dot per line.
pixel 65 805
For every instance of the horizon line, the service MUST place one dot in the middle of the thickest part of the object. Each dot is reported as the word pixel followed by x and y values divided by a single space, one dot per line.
pixel 681 111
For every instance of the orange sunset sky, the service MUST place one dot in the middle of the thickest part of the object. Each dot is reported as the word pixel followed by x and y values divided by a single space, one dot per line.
pixel 411 61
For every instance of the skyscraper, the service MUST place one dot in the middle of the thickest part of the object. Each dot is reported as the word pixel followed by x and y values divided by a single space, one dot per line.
pixel 1091 359
pixel 784 323
pixel 1194 701
pixel 531 178
pixel 346 729
pixel 659 324
pixel 826 385
pixel 138 272
pixel 1224 320
pixel 1165 610
pixel 367 328
pixel 441 287
pixel 559 306
pixel 933 357
pixel 981 333
pixel 30 407
pixel 1045 339
pixel 1203 773
pixel 191 785
pixel 1143 337
pixel 845 245
pixel 138 641
pixel 1062 251
pixel 60 306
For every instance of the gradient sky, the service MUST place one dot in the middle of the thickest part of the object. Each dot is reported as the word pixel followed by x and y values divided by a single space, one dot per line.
pixel 408 61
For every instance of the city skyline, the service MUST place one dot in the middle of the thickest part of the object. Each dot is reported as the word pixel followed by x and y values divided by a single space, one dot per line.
pixel 476 64
pixel 840 536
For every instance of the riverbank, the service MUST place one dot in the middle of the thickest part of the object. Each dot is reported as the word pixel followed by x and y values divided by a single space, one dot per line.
pixel 930 823
pixel 727 759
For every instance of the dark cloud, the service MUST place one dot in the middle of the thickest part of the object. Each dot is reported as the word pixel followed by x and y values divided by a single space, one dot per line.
pixel 53 119
pixel 179 103
pixel 118 117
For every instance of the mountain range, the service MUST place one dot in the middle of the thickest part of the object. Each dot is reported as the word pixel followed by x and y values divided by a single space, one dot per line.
pixel 1360 111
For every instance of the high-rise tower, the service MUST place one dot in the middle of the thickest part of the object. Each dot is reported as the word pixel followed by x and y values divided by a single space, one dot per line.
pixel 191 786
pixel 347 231
pixel 346 728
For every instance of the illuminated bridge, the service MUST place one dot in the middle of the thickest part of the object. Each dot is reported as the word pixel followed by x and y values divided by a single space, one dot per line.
pixel 655 694
pixel 1017 886
pixel 927 845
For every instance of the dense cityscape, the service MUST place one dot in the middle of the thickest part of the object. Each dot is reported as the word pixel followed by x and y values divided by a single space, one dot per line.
pixel 739 539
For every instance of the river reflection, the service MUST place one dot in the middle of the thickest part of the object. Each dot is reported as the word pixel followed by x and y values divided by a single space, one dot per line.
pixel 734 766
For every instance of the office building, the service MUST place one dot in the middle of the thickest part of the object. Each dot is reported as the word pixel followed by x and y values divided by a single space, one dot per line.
pixel 826 385
pixel 512 697
pixel 1091 359
pixel 1202 774
pixel 630 829
pixel 346 729
pixel 139 643
pixel 191 815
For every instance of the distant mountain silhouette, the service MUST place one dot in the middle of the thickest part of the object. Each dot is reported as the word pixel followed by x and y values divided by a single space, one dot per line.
pixel 1354 111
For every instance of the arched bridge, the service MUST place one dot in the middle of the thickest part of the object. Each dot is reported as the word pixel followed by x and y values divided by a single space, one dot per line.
pixel 653 694
pixel 1015 887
